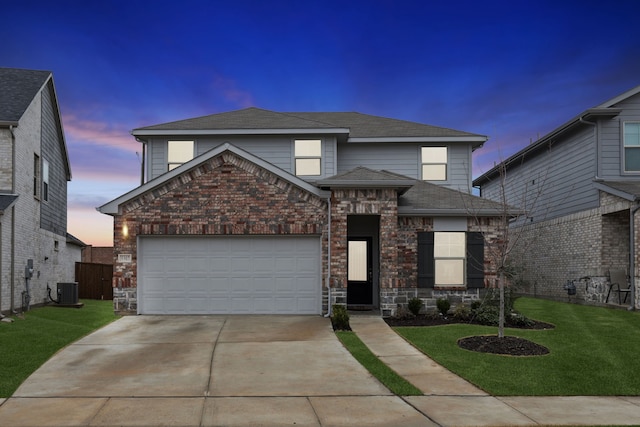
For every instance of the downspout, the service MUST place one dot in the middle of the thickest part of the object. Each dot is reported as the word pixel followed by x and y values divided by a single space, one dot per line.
pixel 632 256
pixel 12 274
pixel 328 258
pixel 597 140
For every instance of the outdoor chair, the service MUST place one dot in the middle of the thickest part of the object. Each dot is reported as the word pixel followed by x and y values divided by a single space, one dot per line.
pixel 618 280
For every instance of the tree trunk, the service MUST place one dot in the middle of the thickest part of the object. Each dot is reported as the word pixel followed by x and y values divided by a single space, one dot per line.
pixel 501 318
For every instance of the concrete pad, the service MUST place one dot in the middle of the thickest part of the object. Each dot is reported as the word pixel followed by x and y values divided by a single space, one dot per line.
pixel 276 328
pixel 468 411
pixel 258 411
pixel 157 329
pixel 123 371
pixel 49 412
pixel 577 410
pixel 143 412
pixel 367 411
pixel 289 368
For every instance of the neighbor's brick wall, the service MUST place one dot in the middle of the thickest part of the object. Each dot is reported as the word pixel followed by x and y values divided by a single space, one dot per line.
pixel 584 244
pixel 226 195
pixel 32 242
pixel 97 254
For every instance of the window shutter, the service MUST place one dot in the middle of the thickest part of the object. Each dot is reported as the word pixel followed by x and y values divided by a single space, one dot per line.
pixel 426 273
pixel 475 260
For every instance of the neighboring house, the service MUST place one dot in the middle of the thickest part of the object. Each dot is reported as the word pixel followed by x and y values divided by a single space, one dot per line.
pixel 580 185
pixel 34 170
pixel 256 211
pixel 97 254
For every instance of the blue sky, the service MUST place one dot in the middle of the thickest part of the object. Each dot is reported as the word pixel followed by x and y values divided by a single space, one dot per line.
pixel 512 70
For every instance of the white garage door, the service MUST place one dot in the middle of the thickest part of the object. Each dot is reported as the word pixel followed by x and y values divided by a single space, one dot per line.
pixel 229 275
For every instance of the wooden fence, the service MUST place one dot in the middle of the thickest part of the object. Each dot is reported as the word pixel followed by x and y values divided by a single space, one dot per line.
pixel 94 280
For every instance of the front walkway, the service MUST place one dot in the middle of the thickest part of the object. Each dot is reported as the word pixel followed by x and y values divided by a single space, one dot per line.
pixel 451 401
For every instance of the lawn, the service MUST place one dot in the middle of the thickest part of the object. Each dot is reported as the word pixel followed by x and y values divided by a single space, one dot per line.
pixel 593 351
pixel 30 341
pixel 376 367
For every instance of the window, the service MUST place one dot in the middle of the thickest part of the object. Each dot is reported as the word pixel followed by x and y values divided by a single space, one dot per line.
pixel 450 259
pixel 434 163
pixel 449 253
pixel 632 147
pixel 45 180
pixel 179 152
pixel 36 176
pixel 308 155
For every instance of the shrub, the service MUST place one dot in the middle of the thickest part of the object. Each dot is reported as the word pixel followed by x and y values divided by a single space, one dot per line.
pixel 415 305
pixel 475 305
pixel 462 312
pixel 518 320
pixel 487 315
pixel 443 305
pixel 340 318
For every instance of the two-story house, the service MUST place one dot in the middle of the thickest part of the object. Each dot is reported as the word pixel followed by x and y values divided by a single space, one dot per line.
pixel 34 170
pixel 580 186
pixel 256 211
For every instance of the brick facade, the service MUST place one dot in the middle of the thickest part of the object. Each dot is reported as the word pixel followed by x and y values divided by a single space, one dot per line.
pixel 581 246
pixel 229 195
pixel 97 254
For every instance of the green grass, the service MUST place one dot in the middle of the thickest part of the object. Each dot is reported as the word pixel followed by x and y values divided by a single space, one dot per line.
pixel 378 369
pixel 594 351
pixel 30 341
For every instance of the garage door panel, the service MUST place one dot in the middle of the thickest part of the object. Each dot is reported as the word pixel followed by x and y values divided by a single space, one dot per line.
pixel 221 275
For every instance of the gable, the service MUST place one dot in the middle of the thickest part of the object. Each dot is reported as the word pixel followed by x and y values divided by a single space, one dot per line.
pixel 227 194
pixel 200 166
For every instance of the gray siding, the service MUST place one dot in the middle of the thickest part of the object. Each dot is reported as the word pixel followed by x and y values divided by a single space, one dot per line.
pixel 53 212
pixel 611 140
pixel 277 150
pixel 405 159
pixel 555 182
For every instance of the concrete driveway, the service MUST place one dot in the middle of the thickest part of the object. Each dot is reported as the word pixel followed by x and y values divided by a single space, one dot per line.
pixel 206 371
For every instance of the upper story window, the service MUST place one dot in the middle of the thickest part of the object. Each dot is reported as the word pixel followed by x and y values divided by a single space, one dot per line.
pixel 632 147
pixel 45 180
pixel 434 163
pixel 179 152
pixel 36 176
pixel 449 253
pixel 308 156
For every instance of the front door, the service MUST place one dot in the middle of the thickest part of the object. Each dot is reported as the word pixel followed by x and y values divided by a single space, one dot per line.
pixel 359 273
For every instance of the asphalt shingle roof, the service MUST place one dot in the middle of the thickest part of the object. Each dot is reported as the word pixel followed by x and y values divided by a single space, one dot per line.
pixel 359 125
pixel 17 89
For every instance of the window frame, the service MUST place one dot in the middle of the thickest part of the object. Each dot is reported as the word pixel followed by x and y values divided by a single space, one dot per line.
pixel 425 162
pixel 45 180
pixel 171 165
pixel 626 147
pixel 461 257
pixel 303 157
pixel 37 176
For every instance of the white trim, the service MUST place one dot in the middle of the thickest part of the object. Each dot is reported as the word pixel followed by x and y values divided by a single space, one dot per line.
pixel 185 132
pixel 466 138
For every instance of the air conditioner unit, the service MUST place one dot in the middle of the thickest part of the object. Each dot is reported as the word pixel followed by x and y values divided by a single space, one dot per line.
pixel 68 293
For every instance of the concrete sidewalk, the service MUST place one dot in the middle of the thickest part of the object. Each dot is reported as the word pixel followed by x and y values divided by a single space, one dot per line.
pixel 452 401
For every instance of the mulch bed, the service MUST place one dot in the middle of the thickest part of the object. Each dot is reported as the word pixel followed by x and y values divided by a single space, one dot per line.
pixel 508 345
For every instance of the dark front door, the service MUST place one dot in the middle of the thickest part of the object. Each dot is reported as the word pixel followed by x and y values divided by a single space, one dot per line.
pixel 359 273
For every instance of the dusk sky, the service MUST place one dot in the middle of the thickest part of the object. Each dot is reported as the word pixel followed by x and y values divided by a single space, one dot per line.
pixel 512 70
